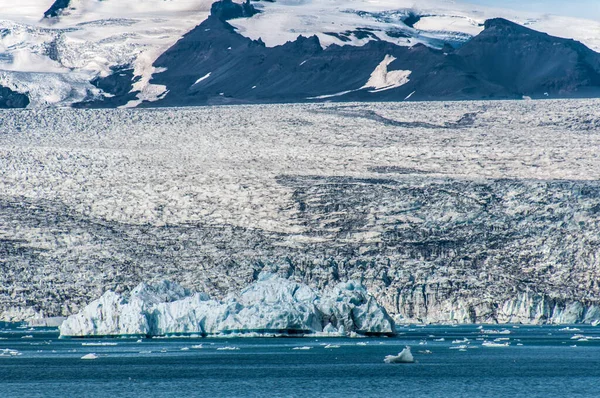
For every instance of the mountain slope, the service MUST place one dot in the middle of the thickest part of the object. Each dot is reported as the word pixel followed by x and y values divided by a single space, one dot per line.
pixel 215 64
pixel 92 53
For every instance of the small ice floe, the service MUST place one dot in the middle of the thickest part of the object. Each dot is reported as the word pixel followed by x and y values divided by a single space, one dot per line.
pixel 463 341
pixel 90 356
pixel 185 349
pixel 519 344
pixel 163 350
pixel 197 346
pixel 361 343
pixel 9 352
pixel 440 339
pixel 145 352
pixel 405 356
pixel 27 336
pixel 354 335
pixel 596 322
pixel 495 331
pixel 302 348
pixel 423 342
pixel 573 346
pixel 502 339
pixel 568 329
pixel 98 344
pixel 494 344
pixel 332 346
pixel 459 347
pixel 427 352
pixel 581 337
pixel 139 341
pixel 228 348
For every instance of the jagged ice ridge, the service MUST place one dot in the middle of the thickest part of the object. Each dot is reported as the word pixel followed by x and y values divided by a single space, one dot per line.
pixel 270 305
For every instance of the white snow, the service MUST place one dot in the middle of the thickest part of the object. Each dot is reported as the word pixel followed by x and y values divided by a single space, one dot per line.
pixel 270 304
pixel 285 20
pixel 90 37
pixel 381 79
pixel 325 96
pixel 203 78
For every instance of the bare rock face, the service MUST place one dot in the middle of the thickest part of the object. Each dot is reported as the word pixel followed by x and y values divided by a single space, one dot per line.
pixel 10 99
pixel 458 212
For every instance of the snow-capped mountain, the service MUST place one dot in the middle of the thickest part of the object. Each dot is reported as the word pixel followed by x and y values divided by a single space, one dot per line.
pixel 109 53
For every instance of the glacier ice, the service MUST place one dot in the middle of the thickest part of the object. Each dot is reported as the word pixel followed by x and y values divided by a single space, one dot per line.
pixel 405 356
pixel 270 305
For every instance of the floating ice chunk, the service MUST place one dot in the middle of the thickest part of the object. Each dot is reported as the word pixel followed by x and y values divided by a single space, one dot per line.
pixel 405 356
pixel 568 329
pixel 302 348
pixel 331 346
pixel 271 305
pixel 9 352
pixel 103 344
pixel 494 344
pixel 228 348
pixel 89 356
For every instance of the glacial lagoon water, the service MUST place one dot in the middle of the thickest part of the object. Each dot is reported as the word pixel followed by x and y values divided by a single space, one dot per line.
pixel 548 361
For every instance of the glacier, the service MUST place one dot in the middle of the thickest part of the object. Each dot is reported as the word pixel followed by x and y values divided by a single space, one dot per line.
pixel 270 305
pixel 458 212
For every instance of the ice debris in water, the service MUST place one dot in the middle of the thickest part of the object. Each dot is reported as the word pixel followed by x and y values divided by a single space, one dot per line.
pixel 405 356
pixel 271 304
pixel 89 356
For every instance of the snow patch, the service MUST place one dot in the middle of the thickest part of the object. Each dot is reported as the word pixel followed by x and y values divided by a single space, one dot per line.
pixel 203 78
pixel 381 79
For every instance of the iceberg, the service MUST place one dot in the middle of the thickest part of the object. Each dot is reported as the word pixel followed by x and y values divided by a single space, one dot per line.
pixel 405 356
pixel 270 305
pixel 89 356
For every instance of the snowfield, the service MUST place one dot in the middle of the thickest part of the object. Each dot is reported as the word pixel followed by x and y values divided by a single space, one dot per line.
pixel 446 212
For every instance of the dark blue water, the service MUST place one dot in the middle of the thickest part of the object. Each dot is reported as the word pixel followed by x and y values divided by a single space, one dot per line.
pixel 545 365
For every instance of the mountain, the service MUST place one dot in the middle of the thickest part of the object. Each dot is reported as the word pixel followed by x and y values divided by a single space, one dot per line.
pixel 215 64
pixel 91 53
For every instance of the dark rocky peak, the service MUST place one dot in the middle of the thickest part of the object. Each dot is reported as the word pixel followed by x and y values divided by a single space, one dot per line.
pixel 12 99
pixel 304 44
pixel 508 26
pixel 57 8
pixel 227 9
